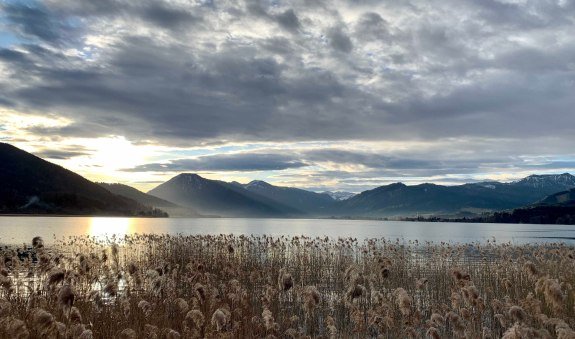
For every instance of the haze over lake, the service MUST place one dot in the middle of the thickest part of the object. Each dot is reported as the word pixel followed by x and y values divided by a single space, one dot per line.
pixel 17 230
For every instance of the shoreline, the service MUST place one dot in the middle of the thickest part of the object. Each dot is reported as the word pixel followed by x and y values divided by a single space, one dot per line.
pixel 399 219
pixel 81 215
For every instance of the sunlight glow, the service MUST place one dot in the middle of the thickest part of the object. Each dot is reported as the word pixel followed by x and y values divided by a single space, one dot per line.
pixel 102 227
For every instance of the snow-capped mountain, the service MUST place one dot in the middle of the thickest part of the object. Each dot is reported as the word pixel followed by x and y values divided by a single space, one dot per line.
pixel 560 181
pixel 258 184
pixel 399 199
pixel 339 195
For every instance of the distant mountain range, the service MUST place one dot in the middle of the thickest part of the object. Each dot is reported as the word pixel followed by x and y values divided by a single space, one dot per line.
pixel 32 185
pixel 259 198
pixel 399 199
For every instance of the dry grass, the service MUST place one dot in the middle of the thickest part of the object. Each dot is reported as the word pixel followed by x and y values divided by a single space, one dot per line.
pixel 151 286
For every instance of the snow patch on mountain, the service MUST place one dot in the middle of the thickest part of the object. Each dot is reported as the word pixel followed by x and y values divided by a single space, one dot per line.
pixel 537 181
pixel 340 195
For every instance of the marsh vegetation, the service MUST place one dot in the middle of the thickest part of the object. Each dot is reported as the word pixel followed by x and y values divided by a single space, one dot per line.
pixel 164 286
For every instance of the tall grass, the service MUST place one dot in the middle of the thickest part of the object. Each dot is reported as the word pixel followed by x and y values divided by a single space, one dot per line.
pixel 162 286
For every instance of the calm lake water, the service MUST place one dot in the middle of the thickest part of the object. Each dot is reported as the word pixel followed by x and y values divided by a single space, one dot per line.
pixel 17 230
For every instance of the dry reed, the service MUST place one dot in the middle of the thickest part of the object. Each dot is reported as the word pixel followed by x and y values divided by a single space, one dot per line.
pixel 162 286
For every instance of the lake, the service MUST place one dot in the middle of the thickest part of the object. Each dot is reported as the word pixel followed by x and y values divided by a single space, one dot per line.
pixel 19 229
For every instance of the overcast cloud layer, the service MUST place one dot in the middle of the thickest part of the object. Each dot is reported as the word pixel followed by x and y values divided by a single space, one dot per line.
pixel 342 94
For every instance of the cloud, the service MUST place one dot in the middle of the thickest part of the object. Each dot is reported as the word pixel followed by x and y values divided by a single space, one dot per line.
pixel 368 159
pixel 63 153
pixel 372 26
pixel 36 22
pixel 289 20
pixel 196 73
pixel 12 56
pixel 237 72
pixel 339 40
pixel 225 162
pixel 165 16
pixel 366 164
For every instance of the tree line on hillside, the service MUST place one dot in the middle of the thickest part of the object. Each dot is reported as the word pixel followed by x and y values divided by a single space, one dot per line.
pixel 73 204
pixel 564 215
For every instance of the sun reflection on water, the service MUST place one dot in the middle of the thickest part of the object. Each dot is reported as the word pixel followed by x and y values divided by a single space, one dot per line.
pixel 101 227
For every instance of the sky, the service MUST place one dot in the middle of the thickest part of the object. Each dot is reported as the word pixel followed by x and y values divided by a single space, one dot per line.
pixel 323 95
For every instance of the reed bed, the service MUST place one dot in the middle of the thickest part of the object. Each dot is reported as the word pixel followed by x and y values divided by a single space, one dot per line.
pixel 175 286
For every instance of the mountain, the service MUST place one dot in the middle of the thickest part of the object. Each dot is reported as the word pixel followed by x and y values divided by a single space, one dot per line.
pixel 557 208
pixel 214 197
pixel 399 199
pixel 339 195
pixel 546 181
pixel 172 209
pixel 134 194
pixel 298 199
pixel 564 198
pixel 32 185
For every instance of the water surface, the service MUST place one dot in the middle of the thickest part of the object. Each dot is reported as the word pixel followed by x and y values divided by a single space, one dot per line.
pixel 20 229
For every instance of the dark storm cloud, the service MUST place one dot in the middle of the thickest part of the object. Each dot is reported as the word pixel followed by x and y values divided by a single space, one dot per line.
pixel 225 162
pixel 295 71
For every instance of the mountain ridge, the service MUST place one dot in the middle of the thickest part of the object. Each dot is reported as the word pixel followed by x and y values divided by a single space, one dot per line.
pixel 565 198
pixel 219 197
pixel 136 195
pixel 307 202
pixel 32 185
pixel 398 199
